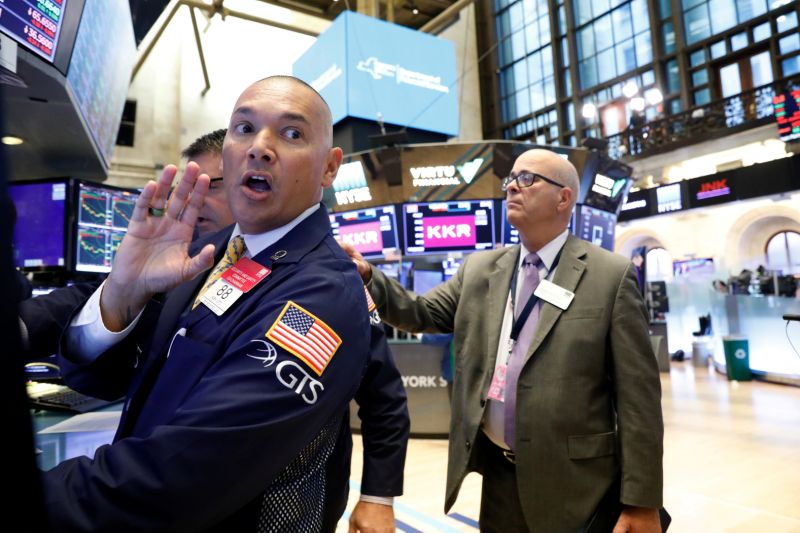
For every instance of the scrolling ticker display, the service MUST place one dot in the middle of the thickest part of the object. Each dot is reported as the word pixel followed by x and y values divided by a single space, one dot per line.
pixel 103 217
pixel 34 24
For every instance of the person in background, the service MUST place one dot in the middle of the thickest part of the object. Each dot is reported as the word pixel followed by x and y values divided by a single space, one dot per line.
pixel 206 151
pixel 556 398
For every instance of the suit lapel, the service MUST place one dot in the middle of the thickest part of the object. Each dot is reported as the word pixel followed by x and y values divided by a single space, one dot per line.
pixel 499 285
pixel 568 274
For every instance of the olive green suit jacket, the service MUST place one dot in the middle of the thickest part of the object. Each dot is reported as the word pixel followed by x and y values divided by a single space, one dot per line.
pixel 588 396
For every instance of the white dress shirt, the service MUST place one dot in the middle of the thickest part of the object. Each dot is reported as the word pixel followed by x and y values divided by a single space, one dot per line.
pixel 493 424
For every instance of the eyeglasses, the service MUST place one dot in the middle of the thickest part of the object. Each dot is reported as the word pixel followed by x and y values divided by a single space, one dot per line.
pixel 526 179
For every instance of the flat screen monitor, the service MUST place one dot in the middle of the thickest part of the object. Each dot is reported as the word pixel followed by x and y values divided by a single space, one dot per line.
pixel 687 267
pixel 510 234
pixel 607 192
pixel 397 270
pixel 100 68
pixel 670 198
pixel 596 226
pixel 441 227
pixel 371 231
pixel 36 25
pixel 39 235
pixel 102 216
pixel 425 280
pixel 450 267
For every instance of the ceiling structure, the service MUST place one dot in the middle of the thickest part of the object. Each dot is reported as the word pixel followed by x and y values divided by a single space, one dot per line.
pixel 34 106
pixel 411 13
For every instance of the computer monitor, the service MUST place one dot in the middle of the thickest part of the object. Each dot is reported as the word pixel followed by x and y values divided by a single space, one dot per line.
pixel 450 267
pixel 425 280
pixel 455 226
pixel 596 226
pixel 102 216
pixel 99 72
pixel 510 235
pixel 39 235
pixel 38 25
pixel 687 267
pixel 372 231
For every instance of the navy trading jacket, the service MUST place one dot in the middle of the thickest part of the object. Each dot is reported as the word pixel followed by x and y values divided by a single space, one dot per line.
pixel 226 428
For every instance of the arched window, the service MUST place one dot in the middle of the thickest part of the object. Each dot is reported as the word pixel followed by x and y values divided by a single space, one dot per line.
pixel 659 265
pixel 783 252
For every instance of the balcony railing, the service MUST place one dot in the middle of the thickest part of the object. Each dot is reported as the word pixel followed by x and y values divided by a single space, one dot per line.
pixel 743 111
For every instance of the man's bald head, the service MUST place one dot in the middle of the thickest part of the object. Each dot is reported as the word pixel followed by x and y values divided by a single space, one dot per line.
pixel 324 110
pixel 553 166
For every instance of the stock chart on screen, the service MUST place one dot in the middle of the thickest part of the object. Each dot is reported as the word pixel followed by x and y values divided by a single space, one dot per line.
pixel 103 217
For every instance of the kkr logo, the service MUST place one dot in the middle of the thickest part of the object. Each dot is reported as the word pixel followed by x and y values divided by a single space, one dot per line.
pixel 449 231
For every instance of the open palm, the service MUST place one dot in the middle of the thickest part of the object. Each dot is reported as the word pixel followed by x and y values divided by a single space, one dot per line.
pixel 153 257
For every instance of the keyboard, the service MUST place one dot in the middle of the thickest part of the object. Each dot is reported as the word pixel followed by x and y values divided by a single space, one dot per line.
pixel 53 397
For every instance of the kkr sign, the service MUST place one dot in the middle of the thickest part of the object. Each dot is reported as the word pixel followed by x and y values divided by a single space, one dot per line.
pixel 449 231
pixel 365 238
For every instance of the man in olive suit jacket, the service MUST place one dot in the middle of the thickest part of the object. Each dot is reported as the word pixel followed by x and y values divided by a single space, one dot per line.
pixel 581 418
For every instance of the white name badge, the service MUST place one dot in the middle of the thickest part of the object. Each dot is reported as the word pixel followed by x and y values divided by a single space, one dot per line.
pixel 220 296
pixel 552 293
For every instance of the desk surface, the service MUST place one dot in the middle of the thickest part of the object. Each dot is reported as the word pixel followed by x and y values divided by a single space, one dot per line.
pixel 52 448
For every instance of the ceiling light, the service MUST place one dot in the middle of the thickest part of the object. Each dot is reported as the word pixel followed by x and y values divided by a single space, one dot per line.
pixel 637 104
pixel 589 111
pixel 653 96
pixel 630 89
pixel 10 140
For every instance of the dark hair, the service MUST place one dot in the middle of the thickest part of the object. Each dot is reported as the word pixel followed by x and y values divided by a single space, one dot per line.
pixel 210 143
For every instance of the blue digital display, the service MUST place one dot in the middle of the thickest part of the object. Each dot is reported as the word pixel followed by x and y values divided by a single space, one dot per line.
pixel 510 235
pixel 366 68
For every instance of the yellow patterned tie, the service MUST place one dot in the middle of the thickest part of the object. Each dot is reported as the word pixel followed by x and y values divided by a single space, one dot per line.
pixel 234 252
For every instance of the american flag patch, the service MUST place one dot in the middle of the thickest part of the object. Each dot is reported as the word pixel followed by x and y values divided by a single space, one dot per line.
pixel 370 303
pixel 306 336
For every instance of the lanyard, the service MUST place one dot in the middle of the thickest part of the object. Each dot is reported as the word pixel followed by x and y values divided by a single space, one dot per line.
pixel 519 322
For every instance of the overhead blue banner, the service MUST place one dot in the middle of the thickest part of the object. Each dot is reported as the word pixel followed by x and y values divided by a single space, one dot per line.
pixel 367 68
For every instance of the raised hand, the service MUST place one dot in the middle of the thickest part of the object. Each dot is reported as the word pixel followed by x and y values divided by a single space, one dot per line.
pixel 153 257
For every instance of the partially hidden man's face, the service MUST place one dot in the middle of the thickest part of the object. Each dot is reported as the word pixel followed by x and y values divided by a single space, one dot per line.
pixel 277 155
pixel 215 213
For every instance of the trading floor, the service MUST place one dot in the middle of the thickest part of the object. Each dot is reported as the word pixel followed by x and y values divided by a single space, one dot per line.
pixel 731 461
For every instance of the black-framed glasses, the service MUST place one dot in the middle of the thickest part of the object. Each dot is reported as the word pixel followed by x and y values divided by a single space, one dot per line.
pixel 526 179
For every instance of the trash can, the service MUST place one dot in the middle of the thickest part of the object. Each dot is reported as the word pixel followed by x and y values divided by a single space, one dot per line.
pixel 737 358
pixel 701 352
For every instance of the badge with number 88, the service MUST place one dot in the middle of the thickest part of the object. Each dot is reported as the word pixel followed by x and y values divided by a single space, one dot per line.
pixel 224 291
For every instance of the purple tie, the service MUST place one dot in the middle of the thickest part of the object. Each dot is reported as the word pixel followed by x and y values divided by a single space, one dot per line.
pixel 530 280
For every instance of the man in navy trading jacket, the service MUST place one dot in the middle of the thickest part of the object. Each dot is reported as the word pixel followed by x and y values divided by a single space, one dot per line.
pixel 237 380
